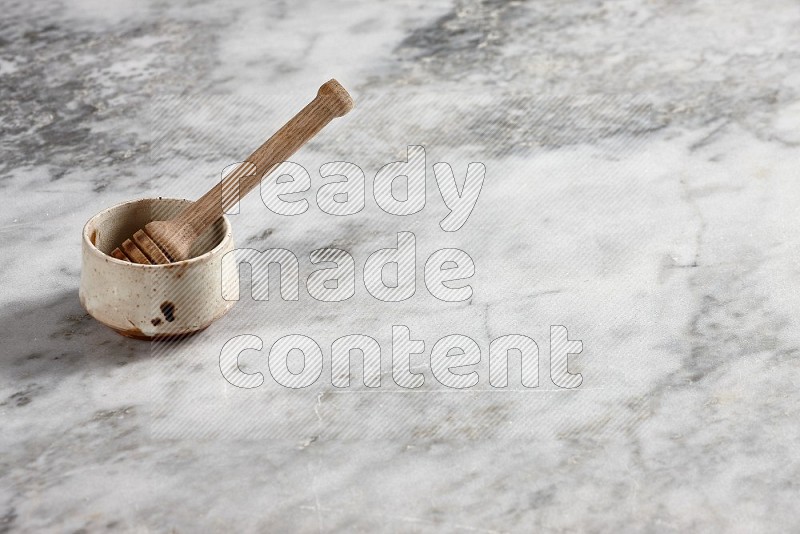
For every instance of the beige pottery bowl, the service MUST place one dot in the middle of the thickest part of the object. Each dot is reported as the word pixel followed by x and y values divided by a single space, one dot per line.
pixel 154 301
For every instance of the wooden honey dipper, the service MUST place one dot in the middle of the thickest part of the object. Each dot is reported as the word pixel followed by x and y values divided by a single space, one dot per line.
pixel 161 242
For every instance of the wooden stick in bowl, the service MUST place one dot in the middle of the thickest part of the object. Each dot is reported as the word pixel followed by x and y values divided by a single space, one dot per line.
pixel 161 242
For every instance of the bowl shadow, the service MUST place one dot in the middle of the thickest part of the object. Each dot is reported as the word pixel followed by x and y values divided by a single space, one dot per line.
pixel 53 338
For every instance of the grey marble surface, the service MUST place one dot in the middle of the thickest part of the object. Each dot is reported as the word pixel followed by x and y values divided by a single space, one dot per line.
pixel 641 189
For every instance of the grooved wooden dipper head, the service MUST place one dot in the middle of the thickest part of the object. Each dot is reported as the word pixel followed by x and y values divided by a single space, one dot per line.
pixel 161 242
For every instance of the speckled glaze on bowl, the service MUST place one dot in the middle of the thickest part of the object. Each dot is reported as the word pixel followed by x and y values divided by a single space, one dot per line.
pixel 153 301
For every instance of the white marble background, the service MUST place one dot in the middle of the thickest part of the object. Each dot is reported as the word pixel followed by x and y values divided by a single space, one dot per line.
pixel 642 189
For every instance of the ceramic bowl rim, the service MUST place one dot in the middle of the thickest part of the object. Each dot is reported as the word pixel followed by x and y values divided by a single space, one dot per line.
pixel 208 254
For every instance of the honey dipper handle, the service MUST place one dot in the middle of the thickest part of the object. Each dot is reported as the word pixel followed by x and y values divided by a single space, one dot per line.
pixel 332 101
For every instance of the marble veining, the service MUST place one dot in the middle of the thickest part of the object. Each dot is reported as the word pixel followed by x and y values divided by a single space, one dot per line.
pixel 641 189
